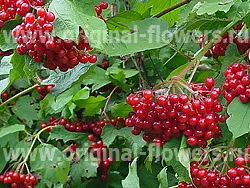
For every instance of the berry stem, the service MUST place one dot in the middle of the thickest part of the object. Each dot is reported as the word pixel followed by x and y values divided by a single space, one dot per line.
pixel 169 9
pixel 19 95
pixel 107 101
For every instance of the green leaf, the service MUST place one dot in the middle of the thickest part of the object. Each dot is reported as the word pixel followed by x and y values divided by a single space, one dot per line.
pixel 11 129
pixel 163 178
pixel 136 143
pixel 63 81
pixel 238 123
pixel 143 35
pixel 3 161
pixel 132 180
pixel 70 15
pixel 173 160
pixel 51 163
pixel 60 133
pixel 212 6
pixel 205 22
pixel 177 71
pixel 116 22
pixel 122 110
pixel 86 167
pixel 25 110
pixel 7 42
pixel 232 55
pixel 82 94
pixel 92 77
pixel 114 180
pixel 238 10
pixel 92 105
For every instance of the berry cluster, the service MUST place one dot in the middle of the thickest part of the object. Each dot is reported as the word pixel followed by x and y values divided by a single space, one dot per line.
pixel 176 114
pixel 237 82
pixel 9 8
pixel 44 90
pixel 94 127
pixel 18 180
pixel 219 49
pixel 100 150
pixel 98 9
pixel 34 37
pixel 235 177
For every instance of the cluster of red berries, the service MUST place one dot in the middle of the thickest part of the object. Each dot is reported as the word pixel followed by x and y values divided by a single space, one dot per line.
pixel 94 127
pixel 219 49
pixel 34 37
pixel 9 8
pixel 100 150
pixel 18 180
pixel 6 53
pixel 44 90
pixel 176 114
pixel 235 177
pixel 98 9
pixel 237 82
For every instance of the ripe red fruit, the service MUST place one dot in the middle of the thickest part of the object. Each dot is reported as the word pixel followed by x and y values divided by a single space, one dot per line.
pixel 92 58
pixel 91 137
pixel 239 161
pixel 104 5
pixel 192 140
pixel 209 82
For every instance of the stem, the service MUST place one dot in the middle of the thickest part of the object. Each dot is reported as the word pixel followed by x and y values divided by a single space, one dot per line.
pixel 194 71
pixel 180 52
pixel 204 50
pixel 19 95
pixel 169 9
pixel 107 101
pixel 153 63
pixel 141 77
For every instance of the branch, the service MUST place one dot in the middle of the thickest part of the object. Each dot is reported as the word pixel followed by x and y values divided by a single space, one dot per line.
pixel 107 101
pixel 169 9
pixel 19 95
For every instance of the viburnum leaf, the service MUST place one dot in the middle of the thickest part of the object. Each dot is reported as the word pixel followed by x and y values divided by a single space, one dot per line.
pixel 4 160
pixel 25 110
pixel 238 10
pixel 51 163
pixel 86 167
pixel 11 129
pixel 141 36
pixel 132 180
pixel 163 178
pixel 136 143
pixel 174 161
pixel 238 123
pixel 212 6
pixel 70 15
pixel 121 109
pixel 60 133
pixel 92 105
pixel 92 77
pixel 63 81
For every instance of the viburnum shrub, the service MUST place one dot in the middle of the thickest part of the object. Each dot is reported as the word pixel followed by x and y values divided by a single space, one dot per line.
pixel 133 94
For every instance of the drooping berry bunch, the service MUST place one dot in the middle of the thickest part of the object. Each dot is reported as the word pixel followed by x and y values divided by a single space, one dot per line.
pixel 219 49
pixel 44 90
pixel 237 82
pixel 80 126
pixel 162 117
pixel 98 9
pixel 34 37
pixel 9 8
pixel 17 180
pixel 235 177
pixel 100 150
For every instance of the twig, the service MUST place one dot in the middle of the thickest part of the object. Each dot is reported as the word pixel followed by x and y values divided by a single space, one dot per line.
pixel 19 95
pixel 144 69
pixel 153 63
pixel 194 71
pixel 107 101
pixel 142 85
pixel 180 52
pixel 169 9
